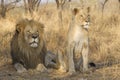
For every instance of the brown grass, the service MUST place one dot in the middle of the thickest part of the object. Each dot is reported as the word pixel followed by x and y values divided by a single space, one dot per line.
pixel 104 34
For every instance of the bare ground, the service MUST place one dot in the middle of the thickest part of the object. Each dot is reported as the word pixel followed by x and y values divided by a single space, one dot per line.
pixel 7 72
pixel 104 44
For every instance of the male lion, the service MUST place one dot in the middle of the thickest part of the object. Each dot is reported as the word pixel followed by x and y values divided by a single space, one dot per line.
pixel 28 48
pixel 77 41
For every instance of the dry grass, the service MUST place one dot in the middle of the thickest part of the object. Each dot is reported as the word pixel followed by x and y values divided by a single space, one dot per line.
pixel 104 35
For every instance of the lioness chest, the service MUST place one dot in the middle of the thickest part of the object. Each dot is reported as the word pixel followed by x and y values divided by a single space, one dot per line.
pixel 77 34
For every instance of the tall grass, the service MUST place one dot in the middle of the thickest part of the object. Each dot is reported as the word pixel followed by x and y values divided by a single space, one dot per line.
pixel 104 34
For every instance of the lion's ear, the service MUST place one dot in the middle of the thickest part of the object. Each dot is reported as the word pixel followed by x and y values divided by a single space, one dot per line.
pixel 75 11
pixel 18 28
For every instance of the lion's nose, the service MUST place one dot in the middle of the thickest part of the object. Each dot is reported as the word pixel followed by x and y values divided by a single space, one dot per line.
pixel 34 36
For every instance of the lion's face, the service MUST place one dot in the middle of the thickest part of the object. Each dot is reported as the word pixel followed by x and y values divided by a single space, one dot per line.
pixel 82 17
pixel 31 35
pixel 31 32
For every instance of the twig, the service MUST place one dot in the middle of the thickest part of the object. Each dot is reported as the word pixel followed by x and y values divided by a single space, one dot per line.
pixel 9 33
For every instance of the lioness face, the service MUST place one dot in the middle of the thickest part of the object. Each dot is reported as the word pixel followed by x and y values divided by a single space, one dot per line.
pixel 31 35
pixel 82 17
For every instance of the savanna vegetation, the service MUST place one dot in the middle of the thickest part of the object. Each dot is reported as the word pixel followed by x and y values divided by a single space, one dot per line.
pixel 104 35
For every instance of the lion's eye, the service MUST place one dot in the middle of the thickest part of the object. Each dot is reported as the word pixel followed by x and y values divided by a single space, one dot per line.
pixel 28 32
pixel 37 31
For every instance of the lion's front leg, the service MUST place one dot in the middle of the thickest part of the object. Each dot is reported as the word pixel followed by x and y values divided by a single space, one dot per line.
pixel 20 68
pixel 41 68
pixel 70 58
pixel 61 61
pixel 85 57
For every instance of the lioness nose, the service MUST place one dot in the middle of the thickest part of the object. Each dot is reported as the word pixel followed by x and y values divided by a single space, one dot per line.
pixel 34 36
pixel 87 21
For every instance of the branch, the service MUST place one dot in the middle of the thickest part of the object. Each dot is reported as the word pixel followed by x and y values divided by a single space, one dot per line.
pixel 2 3
pixel 63 2
pixel 16 1
pixel 38 3
pixel 25 4
pixel 10 8
pixel 105 1
pixel 57 2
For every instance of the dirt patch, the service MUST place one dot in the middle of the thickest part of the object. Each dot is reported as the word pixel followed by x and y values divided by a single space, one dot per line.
pixel 7 72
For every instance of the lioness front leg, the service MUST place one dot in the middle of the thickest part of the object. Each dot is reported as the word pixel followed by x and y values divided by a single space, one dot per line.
pixel 41 68
pixel 70 58
pixel 85 58
pixel 20 68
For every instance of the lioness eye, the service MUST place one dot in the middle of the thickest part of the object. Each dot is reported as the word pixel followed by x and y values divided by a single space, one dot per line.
pixel 81 15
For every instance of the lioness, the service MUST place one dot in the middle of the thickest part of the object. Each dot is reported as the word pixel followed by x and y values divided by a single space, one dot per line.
pixel 77 44
pixel 28 48
pixel 77 41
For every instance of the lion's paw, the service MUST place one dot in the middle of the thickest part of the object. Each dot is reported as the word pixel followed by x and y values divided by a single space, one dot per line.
pixel 41 68
pixel 19 67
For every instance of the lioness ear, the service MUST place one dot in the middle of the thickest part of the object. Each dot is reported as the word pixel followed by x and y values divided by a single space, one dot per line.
pixel 75 11
pixel 88 10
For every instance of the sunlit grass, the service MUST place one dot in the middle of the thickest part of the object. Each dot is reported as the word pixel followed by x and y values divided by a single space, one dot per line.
pixel 104 34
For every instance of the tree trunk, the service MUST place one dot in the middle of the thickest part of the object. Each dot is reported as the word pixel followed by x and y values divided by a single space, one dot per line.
pixel 119 5
pixel 30 6
pixel 103 7
pixel 102 10
pixel 60 16
pixel 3 9
pixel 25 5
pixel 3 12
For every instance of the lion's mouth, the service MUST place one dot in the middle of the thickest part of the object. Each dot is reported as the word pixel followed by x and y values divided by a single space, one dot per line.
pixel 86 25
pixel 34 44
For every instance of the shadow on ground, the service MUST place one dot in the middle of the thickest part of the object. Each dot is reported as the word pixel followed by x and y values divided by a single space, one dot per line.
pixel 7 72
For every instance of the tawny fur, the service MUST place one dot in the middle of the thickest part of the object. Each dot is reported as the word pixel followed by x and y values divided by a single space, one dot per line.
pixel 77 42
pixel 77 45
pixel 21 52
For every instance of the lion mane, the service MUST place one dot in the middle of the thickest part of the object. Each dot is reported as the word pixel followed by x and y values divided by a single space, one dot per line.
pixel 23 53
